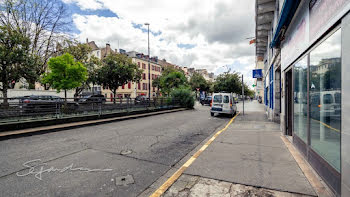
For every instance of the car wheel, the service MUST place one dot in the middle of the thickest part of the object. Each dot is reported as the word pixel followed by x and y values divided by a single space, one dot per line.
pixel 211 114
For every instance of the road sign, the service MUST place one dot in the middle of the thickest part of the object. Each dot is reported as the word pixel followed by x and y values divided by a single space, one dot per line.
pixel 257 73
pixel 254 85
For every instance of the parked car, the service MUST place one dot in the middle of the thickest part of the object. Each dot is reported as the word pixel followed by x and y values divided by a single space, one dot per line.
pixel 96 98
pixel 206 100
pixel 43 103
pixel 325 103
pixel 141 99
pixel 223 103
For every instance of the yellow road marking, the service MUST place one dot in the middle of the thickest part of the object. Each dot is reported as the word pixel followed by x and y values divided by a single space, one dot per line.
pixel 179 172
pixel 326 125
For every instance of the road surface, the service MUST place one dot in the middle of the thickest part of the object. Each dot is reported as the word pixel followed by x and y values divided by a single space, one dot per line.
pixel 115 159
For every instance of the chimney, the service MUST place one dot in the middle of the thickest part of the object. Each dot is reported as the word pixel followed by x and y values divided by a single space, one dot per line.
pixel 87 40
pixel 108 48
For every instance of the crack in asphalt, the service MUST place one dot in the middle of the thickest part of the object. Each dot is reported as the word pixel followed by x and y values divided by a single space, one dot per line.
pixel 128 156
pixel 157 137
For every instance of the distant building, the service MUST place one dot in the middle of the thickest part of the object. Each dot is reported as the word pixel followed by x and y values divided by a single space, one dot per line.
pixel 132 89
pixel 100 52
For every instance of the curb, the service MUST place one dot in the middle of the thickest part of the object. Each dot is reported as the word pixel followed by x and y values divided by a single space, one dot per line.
pixel 59 127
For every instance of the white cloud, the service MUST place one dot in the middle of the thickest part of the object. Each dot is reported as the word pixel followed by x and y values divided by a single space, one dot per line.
pixel 216 28
pixel 87 4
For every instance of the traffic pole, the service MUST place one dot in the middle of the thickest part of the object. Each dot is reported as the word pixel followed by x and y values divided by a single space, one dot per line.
pixel 243 93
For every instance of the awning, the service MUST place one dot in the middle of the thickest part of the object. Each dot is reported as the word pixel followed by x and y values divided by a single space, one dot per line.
pixel 288 10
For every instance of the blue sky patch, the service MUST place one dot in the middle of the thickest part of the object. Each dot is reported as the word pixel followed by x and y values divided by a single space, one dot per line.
pixel 186 46
pixel 144 29
pixel 73 8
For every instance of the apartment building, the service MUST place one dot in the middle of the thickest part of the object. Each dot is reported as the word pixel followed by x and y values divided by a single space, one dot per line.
pixel 303 46
pixel 100 53
pixel 133 89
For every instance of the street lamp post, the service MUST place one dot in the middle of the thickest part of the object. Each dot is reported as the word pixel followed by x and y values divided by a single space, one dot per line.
pixel 149 67
pixel 243 93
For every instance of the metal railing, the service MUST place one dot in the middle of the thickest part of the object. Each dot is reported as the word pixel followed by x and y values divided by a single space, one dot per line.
pixel 26 109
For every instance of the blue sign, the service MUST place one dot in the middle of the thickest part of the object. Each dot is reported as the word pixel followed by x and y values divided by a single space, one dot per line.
pixel 257 73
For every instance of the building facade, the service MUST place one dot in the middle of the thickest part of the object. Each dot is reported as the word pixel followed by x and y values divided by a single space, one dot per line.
pixel 305 46
pixel 133 89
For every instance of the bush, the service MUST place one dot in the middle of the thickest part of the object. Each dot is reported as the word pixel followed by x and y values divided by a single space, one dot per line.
pixel 184 96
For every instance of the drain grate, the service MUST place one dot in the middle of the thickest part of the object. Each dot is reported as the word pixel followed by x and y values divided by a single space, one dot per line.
pixel 124 180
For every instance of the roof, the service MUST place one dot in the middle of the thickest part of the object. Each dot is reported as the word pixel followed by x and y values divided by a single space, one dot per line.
pixel 93 45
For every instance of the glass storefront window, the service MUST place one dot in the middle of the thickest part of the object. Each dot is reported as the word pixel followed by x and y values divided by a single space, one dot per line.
pixel 300 99
pixel 325 97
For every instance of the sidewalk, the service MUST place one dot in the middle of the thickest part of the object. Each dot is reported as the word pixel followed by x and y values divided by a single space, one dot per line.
pixel 248 159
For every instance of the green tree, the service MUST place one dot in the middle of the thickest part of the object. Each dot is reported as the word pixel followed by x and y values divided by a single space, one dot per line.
pixel 184 96
pixel 65 73
pixel 198 81
pixel 80 52
pixel 248 91
pixel 117 70
pixel 43 22
pixel 228 82
pixel 172 80
pixel 93 66
pixel 156 84
pixel 14 57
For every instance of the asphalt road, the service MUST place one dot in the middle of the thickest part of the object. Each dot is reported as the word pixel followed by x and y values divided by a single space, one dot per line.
pixel 91 161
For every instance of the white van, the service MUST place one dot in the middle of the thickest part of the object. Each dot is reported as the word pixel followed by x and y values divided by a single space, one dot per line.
pixel 223 103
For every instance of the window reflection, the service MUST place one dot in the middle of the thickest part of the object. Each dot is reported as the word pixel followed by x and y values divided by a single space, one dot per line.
pixel 300 99
pixel 325 97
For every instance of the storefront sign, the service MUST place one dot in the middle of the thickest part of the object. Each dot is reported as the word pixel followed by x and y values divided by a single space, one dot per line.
pixel 297 39
pixel 257 73
pixel 310 21
pixel 321 12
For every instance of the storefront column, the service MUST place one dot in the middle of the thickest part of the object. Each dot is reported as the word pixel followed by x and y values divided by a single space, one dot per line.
pixel 345 106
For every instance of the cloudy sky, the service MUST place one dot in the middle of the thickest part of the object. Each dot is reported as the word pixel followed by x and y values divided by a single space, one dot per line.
pixel 209 34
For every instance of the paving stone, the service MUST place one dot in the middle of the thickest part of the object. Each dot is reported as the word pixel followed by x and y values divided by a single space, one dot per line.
pixel 215 188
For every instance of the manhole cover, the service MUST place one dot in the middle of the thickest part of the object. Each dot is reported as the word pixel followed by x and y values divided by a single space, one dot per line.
pixel 124 180
pixel 125 152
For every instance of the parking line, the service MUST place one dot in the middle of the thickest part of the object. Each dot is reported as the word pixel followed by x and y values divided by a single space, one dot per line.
pixel 180 171
pixel 326 125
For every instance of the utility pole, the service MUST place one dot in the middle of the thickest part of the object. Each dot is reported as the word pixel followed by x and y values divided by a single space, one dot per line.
pixel 149 67
pixel 243 93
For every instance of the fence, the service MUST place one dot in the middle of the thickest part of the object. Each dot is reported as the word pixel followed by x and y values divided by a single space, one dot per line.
pixel 51 107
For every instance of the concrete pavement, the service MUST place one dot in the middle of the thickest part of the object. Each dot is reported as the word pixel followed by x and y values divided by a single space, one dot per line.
pixel 248 159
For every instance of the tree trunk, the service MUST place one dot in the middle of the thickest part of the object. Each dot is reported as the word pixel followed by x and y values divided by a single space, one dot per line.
pixel 114 94
pixel 65 97
pixel 5 100
pixel 93 91
pixel 31 84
